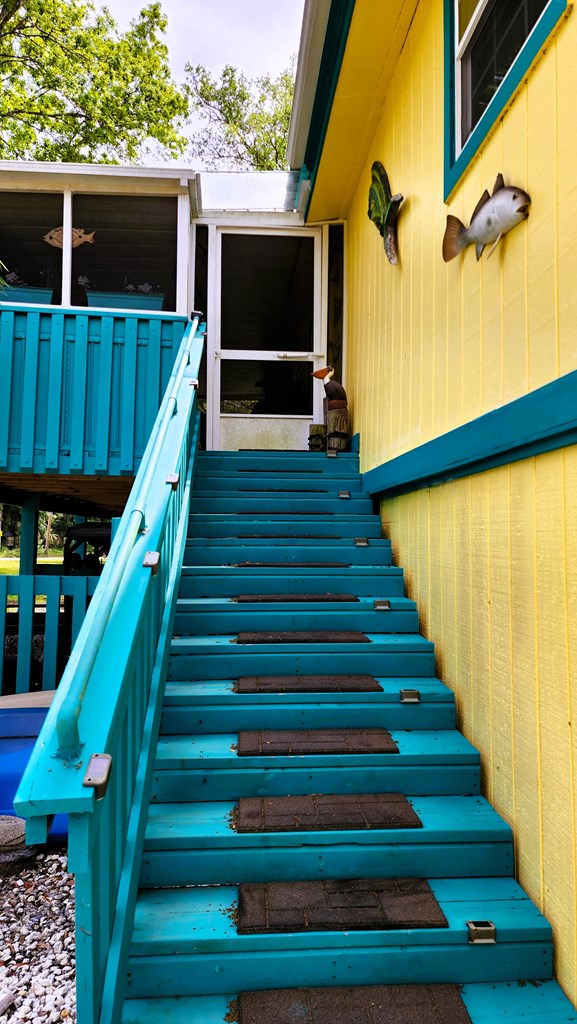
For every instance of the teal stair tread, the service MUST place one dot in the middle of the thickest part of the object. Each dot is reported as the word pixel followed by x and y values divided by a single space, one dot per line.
pixel 340 515
pixel 221 691
pixel 310 483
pixel 442 747
pixel 198 919
pixel 288 553
pixel 277 505
pixel 341 543
pixel 239 618
pixel 369 576
pixel 542 1002
pixel 293 527
pixel 380 643
pixel 223 604
pixel 453 819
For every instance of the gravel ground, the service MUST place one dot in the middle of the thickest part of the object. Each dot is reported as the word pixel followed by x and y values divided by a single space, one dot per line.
pixel 37 942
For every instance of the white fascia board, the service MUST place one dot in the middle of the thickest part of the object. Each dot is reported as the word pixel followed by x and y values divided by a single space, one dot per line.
pixel 36 171
pixel 313 32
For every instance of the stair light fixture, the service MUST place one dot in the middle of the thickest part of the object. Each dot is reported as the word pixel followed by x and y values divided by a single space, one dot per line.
pixel 482 932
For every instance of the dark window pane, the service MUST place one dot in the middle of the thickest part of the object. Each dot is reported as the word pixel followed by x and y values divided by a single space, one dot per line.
pixel 261 387
pixel 132 252
pixel 31 245
pixel 267 292
pixel 496 43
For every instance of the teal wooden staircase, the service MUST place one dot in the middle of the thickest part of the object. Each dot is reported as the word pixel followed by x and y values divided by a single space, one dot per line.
pixel 266 531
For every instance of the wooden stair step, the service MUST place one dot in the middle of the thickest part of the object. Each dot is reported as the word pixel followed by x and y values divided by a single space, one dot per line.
pixel 343 689
pixel 293 527
pixel 195 928
pixel 460 836
pixel 220 750
pixel 387 654
pixel 542 1002
pixel 225 581
pixel 383 615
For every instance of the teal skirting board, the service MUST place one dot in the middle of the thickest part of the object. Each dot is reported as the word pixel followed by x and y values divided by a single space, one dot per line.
pixel 539 422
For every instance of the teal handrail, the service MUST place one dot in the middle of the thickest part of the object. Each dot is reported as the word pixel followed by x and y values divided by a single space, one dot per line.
pixel 110 699
pixel 81 666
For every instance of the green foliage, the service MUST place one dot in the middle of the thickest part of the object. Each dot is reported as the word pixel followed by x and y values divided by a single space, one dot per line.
pixel 73 88
pixel 246 121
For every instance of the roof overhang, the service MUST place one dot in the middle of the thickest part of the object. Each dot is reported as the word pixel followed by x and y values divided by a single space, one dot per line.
pixel 107 178
pixel 343 119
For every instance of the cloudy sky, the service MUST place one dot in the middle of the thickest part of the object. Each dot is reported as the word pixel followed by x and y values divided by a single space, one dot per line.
pixel 256 36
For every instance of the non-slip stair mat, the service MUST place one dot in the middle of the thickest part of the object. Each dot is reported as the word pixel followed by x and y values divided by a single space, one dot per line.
pixel 323 812
pixel 343 904
pixel 363 1004
pixel 279 742
pixel 284 536
pixel 308 684
pixel 290 565
pixel 260 512
pixel 315 636
pixel 295 598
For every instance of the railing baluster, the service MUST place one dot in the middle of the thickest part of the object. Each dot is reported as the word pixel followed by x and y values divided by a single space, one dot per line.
pixel 30 390
pixel 105 395
pixel 54 405
pixel 6 360
pixel 79 394
pixel 24 586
pixel 3 612
pixel 51 585
pixel 128 398
pixel 153 378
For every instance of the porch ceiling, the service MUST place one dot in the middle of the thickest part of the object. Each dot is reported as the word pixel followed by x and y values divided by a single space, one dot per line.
pixel 79 495
pixel 376 38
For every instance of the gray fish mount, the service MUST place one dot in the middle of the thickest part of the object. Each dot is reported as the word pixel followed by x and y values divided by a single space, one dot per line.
pixel 493 216
pixel 384 209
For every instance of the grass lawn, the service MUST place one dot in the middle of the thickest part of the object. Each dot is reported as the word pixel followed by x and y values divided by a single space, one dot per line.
pixel 10 566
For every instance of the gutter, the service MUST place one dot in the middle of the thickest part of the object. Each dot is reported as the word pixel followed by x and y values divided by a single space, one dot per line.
pixel 326 25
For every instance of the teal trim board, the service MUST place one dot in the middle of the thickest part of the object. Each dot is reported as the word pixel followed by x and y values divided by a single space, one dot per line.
pixel 456 164
pixel 339 23
pixel 542 421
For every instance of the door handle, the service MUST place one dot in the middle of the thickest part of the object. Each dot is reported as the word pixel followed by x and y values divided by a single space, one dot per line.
pixel 300 356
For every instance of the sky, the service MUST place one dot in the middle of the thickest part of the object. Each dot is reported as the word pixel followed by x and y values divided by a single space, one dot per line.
pixel 257 36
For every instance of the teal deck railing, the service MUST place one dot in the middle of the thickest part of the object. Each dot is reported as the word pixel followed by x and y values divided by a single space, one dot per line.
pixel 40 619
pixel 79 391
pixel 109 698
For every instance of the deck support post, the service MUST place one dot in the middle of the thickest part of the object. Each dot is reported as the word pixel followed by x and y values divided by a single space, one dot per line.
pixel 29 536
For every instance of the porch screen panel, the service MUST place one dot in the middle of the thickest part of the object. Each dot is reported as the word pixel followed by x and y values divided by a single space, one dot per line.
pixel 267 292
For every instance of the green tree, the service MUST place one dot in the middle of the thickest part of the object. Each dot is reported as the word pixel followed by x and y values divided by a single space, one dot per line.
pixel 74 88
pixel 244 121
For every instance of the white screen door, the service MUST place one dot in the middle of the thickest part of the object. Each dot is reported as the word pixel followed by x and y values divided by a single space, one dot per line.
pixel 265 340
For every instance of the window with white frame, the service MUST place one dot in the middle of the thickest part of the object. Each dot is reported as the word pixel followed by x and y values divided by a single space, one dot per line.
pixel 489 36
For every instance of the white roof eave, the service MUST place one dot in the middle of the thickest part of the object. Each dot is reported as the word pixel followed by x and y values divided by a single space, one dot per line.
pixel 313 32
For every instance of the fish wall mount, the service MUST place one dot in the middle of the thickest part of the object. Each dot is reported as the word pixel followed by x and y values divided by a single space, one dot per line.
pixel 493 216
pixel 384 209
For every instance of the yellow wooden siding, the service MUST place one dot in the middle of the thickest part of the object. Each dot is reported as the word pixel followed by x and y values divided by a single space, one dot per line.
pixel 492 561
pixel 433 345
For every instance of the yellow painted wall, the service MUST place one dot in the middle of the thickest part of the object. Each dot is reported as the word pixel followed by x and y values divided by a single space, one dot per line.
pixel 492 562
pixel 491 559
pixel 433 345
